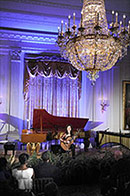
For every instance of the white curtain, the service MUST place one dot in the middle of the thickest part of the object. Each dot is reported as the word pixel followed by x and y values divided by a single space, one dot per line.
pixel 59 97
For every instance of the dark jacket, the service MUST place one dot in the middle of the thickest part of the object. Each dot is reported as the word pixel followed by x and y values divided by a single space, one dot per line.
pixel 47 170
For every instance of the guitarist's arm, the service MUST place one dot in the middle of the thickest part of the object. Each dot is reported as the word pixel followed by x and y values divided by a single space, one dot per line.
pixel 62 138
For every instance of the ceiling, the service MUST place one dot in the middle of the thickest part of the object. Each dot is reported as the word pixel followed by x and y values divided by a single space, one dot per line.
pixel 47 15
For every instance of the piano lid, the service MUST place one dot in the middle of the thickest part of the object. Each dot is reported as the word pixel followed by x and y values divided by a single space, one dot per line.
pixel 91 125
pixel 11 120
pixel 55 122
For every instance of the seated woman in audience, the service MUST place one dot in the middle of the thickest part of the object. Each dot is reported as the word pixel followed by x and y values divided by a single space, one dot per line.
pixel 23 174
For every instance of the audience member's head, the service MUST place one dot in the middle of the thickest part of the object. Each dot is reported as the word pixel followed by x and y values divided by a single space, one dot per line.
pixel 3 163
pixel 118 155
pixel 51 189
pixel 45 156
pixel 23 158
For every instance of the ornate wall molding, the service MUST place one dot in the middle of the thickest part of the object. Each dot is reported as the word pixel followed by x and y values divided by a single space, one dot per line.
pixel 28 42
pixel 15 55
pixel 27 37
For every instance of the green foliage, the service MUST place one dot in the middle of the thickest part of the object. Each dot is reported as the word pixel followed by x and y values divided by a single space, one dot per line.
pixel 33 160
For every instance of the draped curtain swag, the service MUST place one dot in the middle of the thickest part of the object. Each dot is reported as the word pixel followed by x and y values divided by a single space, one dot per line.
pixel 48 67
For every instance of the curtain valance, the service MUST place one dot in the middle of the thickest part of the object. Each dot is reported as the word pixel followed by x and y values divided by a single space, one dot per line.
pixel 52 67
pixel 49 66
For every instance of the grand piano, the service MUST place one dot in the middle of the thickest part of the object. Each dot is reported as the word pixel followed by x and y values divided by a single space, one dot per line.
pixel 43 123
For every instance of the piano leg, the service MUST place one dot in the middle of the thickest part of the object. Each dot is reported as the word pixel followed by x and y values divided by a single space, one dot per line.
pixel 37 148
pixel 33 147
pixel 29 148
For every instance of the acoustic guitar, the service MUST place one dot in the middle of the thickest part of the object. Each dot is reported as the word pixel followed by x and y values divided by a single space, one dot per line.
pixel 69 141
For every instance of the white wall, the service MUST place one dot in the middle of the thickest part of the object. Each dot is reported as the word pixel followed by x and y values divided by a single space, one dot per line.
pixel 108 86
pixel 11 89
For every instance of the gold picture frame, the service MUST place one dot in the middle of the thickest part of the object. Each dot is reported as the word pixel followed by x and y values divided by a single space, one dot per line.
pixel 126 105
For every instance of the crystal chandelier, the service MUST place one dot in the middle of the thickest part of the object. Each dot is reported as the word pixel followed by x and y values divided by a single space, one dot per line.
pixel 94 46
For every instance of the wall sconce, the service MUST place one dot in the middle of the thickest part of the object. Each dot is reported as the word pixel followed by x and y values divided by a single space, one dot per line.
pixel 104 105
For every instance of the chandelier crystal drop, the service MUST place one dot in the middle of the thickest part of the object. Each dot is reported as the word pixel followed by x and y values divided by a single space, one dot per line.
pixel 93 46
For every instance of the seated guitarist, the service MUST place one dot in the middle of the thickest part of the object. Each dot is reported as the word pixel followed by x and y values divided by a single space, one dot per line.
pixel 67 141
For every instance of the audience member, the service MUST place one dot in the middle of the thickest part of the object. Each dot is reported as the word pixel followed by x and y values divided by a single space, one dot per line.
pixel 5 174
pixel 118 155
pixel 51 189
pixel 121 165
pixel 118 170
pixel 23 174
pixel 6 180
pixel 46 169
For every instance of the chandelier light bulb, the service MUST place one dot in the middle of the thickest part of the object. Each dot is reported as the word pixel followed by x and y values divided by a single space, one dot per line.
pixel 73 18
pixel 116 18
pixel 69 22
pixel 65 26
pixel 120 26
pixel 58 31
pixel 62 27
pixel 124 20
pixel 129 27
pixel 113 12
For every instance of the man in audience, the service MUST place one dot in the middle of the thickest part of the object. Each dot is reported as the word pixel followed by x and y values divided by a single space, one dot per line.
pixel 46 169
